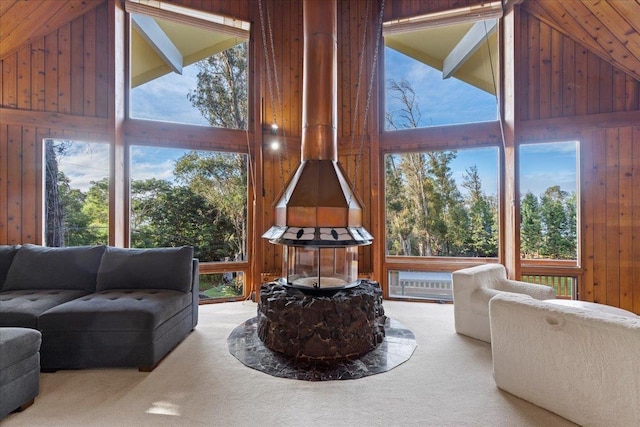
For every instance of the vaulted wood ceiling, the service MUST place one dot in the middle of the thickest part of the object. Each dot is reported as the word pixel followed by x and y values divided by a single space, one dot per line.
pixel 609 28
pixel 23 21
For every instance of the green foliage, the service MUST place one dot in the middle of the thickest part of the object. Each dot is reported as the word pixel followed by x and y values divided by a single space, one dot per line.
pixel 164 214
pixel 548 228
pixel 221 93
pixel 221 180
pixel 531 227
pixel 482 239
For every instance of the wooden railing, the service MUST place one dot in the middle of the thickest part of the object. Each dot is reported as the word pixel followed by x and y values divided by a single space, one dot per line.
pixel 563 276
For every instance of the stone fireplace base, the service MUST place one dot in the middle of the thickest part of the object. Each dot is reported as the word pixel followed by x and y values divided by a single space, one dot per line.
pixel 396 348
pixel 341 335
pixel 340 324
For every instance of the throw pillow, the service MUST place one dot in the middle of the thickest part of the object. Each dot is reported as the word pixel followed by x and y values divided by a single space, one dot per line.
pixel 154 268
pixel 40 267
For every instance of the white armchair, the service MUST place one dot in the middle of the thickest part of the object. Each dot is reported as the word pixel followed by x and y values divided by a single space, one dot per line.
pixel 473 288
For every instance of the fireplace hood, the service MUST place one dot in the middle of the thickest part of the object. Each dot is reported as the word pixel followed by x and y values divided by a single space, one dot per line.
pixel 319 207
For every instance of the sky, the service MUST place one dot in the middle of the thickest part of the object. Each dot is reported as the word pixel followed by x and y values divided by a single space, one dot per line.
pixel 441 102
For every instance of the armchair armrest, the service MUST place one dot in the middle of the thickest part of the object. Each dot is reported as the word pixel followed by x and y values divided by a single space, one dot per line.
pixel 539 292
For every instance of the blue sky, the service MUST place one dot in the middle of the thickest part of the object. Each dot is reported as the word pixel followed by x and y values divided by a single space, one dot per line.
pixel 441 102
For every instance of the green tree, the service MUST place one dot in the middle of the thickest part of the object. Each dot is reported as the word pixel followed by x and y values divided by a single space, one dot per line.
pixel 417 187
pixel 221 180
pixel 163 214
pixel 448 221
pixel 96 208
pixel 556 242
pixel 54 208
pixel 399 215
pixel 482 236
pixel 531 226
pixel 221 93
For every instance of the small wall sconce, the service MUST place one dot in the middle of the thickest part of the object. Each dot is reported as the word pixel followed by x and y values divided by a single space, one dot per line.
pixel 273 142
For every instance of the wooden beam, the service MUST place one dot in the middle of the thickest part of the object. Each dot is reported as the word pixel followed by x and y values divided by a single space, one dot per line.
pixel 118 188
pixel 149 29
pixel 477 35
pixel 572 127
pixel 486 134
pixel 510 197
pixel 43 119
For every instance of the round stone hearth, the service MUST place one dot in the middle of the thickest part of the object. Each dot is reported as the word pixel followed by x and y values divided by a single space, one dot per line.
pixel 343 324
pixel 318 351
pixel 396 348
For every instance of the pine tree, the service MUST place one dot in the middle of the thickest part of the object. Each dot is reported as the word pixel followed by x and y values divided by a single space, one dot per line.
pixel 531 227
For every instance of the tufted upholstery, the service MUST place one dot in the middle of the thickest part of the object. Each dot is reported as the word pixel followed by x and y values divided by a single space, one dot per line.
pixel 115 328
pixel 148 305
pixel 22 308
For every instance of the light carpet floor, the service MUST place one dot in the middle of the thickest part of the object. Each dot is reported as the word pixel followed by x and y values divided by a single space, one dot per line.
pixel 447 382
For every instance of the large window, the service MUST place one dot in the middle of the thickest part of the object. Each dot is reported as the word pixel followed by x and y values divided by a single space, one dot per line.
pixel 440 73
pixel 195 198
pixel 76 196
pixel 442 203
pixel 549 215
pixel 548 206
pixel 192 73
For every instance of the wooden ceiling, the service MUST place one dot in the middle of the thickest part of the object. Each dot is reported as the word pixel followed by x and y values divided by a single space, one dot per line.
pixel 609 28
pixel 23 21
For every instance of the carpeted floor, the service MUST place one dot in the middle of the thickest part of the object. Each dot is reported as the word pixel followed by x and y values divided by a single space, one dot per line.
pixel 447 382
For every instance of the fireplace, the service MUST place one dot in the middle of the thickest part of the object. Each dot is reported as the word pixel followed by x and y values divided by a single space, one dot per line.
pixel 319 309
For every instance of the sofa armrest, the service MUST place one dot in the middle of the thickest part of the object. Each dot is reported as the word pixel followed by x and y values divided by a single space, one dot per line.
pixel 540 292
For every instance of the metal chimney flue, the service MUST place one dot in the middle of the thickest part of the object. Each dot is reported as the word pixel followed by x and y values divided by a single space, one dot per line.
pixel 318 208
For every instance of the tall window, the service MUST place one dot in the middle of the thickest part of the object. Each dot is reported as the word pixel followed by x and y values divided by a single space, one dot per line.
pixel 442 203
pixel 548 206
pixel 196 198
pixel 440 73
pixel 188 73
pixel 76 193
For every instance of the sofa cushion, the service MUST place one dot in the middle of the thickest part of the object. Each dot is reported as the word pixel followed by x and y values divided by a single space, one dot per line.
pixel 39 267
pixel 154 268
pixel 16 345
pixel 128 310
pixel 7 252
pixel 23 307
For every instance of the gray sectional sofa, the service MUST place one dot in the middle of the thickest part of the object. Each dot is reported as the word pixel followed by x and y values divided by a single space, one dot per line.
pixel 100 306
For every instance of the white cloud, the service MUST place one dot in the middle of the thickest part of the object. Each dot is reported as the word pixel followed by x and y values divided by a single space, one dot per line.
pixel 84 162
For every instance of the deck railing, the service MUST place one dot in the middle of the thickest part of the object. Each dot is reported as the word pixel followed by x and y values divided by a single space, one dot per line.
pixel 562 276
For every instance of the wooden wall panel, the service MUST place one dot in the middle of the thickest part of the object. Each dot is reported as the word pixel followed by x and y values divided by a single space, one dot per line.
pixel 395 9
pixel 564 79
pixel 4 183
pixel 58 74
pixel 64 71
pixel 610 217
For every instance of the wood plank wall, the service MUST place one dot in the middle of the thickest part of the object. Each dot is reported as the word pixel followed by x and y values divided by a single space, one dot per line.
pixel 288 51
pixel 563 79
pixel 54 82
pixel 569 93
